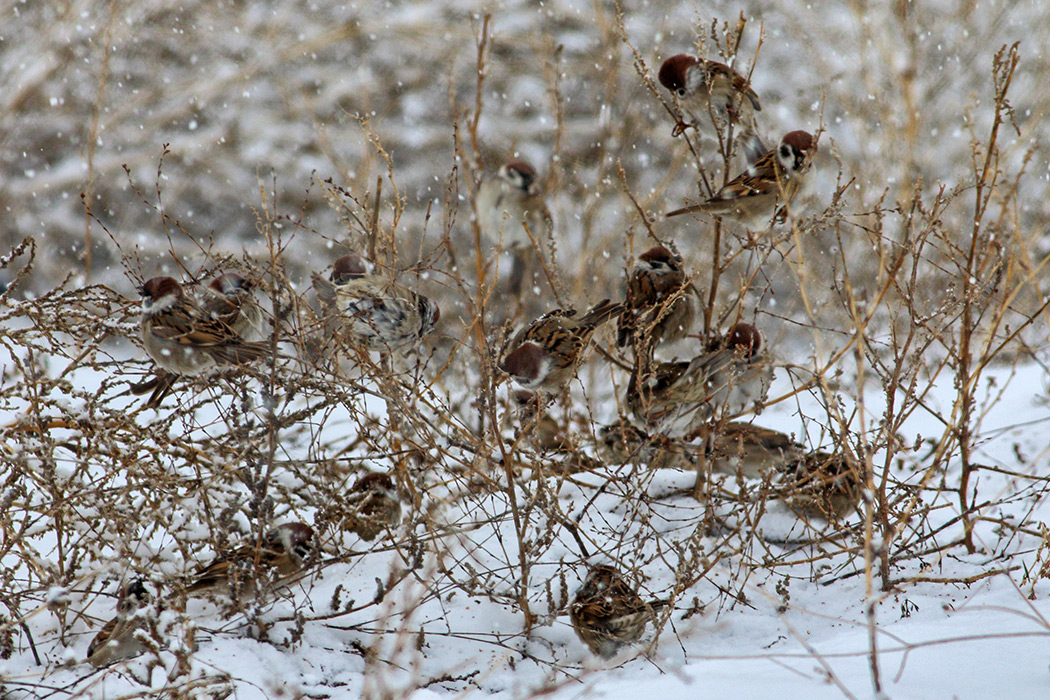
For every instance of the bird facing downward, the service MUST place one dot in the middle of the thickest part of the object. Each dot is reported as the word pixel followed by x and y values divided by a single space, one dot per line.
pixel 759 195
pixel 544 355
pixel 607 613
pixel 658 308
pixel 376 312
pixel 117 640
pixel 703 86
pixel 284 551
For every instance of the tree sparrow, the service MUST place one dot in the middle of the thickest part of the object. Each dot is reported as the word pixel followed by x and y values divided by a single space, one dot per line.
pixel 541 430
pixel 374 506
pixel 823 485
pixel 230 299
pixel 184 340
pixel 117 639
pixel 622 442
pixel 544 355
pixel 703 86
pixel 677 398
pixel 283 552
pixel 751 451
pixel 759 195
pixel 507 204
pixel 377 313
pixel 658 307
pixel 607 612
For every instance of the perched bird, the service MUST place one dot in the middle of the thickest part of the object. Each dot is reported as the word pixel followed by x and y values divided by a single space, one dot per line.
pixel 823 485
pixel 658 306
pixel 377 313
pixel 622 442
pixel 117 640
pixel 374 506
pixel 607 612
pixel 284 550
pixel 703 87
pixel 229 298
pixel 543 433
pixel 759 195
pixel 678 398
pixel 751 451
pixel 508 204
pixel 544 355
pixel 183 339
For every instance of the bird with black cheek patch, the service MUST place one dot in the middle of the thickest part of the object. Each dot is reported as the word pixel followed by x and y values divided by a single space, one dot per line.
pixel 374 506
pixel 702 87
pixel 727 379
pixel 184 340
pixel 658 307
pixel 284 551
pixel 607 613
pixel 507 204
pixel 230 298
pixel 117 639
pixel 377 313
pixel 760 195
pixel 545 354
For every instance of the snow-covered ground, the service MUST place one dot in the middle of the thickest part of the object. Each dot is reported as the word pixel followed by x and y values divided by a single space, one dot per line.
pixel 268 108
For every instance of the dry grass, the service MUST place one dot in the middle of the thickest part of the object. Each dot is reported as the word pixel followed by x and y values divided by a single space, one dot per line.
pixel 915 259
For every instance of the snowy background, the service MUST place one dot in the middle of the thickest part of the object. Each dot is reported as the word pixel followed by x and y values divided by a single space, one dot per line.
pixel 905 309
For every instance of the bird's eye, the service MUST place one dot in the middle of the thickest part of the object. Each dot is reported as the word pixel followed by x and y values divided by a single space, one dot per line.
pixel 681 92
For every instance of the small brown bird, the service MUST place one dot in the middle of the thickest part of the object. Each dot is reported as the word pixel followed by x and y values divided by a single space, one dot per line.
pixel 542 431
pixel 607 613
pixel 506 205
pixel 284 551
pixel 374 506
pixel 759 195
pixel 658 307
pixel 544 355
pixel 230 299
pixel 117 639
pixel 622 442
pixel 184 340
pixel 751 451
pixel 377 313
pixel 703 87
pixel 677 398
pixel 823 485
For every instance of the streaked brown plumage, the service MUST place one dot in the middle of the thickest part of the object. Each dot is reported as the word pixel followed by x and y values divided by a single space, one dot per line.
pixel 544 355
pixel 622 442
pixel 376 312
pixel 373 505
pixel 677 398
pixel 823 485
pixel 658 307
pixel 759 195
pixel 701 85
pixel 607 613
pixel 117 640
pixel 229 298
pixel 184 340
pixel 751 451
pixel 283 552
pixel 541 430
